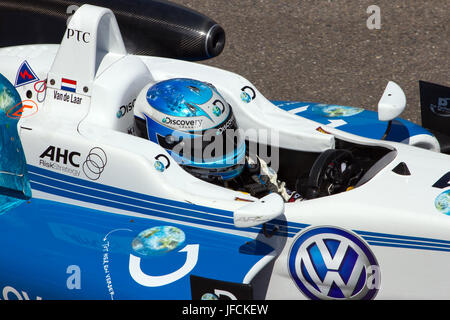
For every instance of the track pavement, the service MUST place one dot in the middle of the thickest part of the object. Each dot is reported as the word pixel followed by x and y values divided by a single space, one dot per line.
pixel 323 51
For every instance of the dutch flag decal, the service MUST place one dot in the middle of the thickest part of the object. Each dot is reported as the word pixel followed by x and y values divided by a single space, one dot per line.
pixel 68 85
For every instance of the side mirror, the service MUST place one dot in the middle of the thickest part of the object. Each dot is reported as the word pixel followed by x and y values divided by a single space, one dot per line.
pixel 259 212
pixel 392 103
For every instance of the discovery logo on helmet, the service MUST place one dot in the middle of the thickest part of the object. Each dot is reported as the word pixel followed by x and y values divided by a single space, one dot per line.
pixel 183 124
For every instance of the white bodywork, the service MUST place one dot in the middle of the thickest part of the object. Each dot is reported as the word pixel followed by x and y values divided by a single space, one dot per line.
pixel 108 78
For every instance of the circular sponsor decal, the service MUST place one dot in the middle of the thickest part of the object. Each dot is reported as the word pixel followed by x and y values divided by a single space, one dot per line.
pixel 95 163
pixel 442 202
pixel 245 97
pixel 333 264
pixel 248 94
pixel 158 240
pixel 159 166
pixel 209 296
pixel 332 111
pixel 216 111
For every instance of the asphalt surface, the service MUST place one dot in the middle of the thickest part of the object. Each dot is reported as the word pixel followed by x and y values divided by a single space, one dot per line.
pixel 323 51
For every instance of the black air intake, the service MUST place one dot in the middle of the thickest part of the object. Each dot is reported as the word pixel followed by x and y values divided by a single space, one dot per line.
pixel 149 27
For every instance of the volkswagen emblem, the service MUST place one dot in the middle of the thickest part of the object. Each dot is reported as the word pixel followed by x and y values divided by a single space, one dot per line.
pixel 332 263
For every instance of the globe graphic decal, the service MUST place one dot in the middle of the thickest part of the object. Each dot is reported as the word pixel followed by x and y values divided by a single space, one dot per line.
pixel 442 202
pixel 159 166
pixel 13 172
pixel 209 296
pixel 7 98
pixel 216 111
pixel 245 97
pixel 158 240
pixel 332 111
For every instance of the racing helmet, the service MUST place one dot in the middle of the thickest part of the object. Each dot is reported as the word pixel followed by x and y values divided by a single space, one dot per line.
pixel 194 123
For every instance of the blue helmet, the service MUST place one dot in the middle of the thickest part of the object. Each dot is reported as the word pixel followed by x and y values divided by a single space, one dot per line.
pixel 194 123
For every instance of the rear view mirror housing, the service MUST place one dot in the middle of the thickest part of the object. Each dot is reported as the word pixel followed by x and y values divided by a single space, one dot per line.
pixel 392 102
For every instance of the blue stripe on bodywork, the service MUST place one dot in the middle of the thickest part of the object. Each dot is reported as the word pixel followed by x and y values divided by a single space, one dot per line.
pixel 65 188
pixel 110 189
pixel 365 123
pixel 406 242
pixel 392 240
pixel 396 245
pixel 46 237
pixel 394 237
pixel 91 192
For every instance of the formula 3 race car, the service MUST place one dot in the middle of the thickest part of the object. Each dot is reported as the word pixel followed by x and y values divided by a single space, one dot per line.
pixel 91 210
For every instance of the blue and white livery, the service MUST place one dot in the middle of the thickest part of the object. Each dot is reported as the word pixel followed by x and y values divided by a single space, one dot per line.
pixel 89 209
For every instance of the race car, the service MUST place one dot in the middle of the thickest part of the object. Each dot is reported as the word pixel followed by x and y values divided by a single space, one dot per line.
pixel 97 204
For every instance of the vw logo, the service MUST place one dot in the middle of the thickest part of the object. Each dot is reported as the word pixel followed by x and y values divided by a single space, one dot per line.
pixel 332 263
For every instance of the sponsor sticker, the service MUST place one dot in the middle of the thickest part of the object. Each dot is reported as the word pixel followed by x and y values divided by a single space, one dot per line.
pixel 67 97
pixel 67 161
pixel 25 75
pixel 182 124
pixel 22 108
pixel 211 289
pixel 442 108
pixel 442 202
pixel 78 35
pixel 123 110
pixel 333 264
pixel 247 94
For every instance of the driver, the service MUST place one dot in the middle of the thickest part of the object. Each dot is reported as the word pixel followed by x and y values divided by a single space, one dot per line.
pixel 197 127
